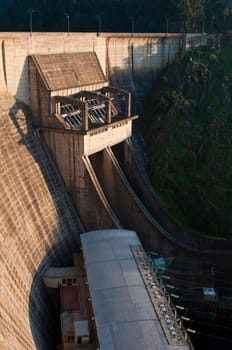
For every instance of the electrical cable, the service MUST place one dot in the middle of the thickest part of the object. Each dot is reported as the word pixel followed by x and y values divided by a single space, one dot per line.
pixel 206 265
pixel 215 337
pixel 210 314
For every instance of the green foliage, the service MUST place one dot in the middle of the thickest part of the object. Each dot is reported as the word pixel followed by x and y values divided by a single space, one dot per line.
pixel 148 16
pixel 213 57
pixel 211 44
pixel 190 138
pixel 218 15
pixel 190 14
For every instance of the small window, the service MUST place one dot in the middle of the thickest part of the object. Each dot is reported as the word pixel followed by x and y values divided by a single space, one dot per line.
pixel 69 339
pixel 63 281
pixel 74 280
pixel 69 281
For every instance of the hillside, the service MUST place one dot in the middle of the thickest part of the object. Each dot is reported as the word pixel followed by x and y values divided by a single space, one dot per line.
pixel 189 127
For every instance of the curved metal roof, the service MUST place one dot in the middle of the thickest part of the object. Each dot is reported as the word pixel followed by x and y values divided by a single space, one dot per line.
pixel 124 314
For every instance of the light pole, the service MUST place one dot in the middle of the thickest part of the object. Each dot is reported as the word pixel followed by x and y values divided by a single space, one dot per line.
pixel 99 24
pixel 68 23
pixel 203 26
pixel 136 104
pixel 30 11
pixel 167 29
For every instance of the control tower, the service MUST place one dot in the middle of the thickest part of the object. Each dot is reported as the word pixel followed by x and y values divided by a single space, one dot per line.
pixel 79 114
pixel 70 93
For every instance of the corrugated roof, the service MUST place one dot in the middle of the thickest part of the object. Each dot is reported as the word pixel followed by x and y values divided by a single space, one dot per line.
pixel 69 70
pixel 124 314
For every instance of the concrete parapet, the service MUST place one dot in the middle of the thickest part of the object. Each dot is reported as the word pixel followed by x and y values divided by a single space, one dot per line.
pixel 131 60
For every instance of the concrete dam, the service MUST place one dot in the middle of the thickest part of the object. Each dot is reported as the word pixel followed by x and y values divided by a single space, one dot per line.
pixel 63 176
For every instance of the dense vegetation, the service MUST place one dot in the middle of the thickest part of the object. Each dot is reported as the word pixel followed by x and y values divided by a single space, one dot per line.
pixel 115 15
pixel 190 138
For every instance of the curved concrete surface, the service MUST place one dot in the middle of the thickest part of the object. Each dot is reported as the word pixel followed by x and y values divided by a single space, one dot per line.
pixel 132 214
pixel 39 227
pixel 129 209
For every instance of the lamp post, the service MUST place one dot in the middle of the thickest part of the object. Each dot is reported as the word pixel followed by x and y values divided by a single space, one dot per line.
pixel 203 26
pixel 136 104
pixel 68 23
pixel 167 29
pixel 30 11
pixel 99 24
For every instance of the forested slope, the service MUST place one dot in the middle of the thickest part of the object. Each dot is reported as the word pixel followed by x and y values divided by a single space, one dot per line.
pixel 189 126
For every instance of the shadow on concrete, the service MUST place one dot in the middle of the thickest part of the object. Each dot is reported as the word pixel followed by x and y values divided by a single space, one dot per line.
pixel 22 118
pixel 22 93
pixel 44 303
pixel 42 315
pixel 143 64
pixel 138 72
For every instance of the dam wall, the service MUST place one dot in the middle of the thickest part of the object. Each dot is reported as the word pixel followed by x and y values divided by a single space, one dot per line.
pixel 130 61
pixel 39 224
pixel 134 62
pixel 39 228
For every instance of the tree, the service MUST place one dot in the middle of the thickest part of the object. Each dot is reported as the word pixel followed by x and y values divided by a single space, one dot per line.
pixel 183 14
pixel 219 14
pixel 198 14
pixel 190 14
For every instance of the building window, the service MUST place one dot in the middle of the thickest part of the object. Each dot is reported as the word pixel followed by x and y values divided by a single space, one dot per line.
pixel 69 339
